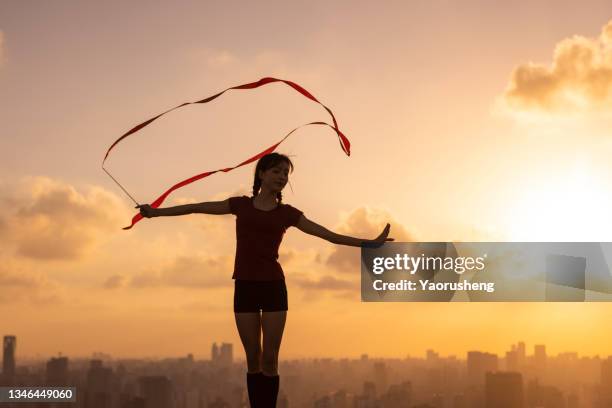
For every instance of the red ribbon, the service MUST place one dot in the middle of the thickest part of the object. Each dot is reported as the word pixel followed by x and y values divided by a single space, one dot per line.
pixel 344 142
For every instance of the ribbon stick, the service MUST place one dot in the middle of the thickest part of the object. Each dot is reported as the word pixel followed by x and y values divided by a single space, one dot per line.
pixel 345 145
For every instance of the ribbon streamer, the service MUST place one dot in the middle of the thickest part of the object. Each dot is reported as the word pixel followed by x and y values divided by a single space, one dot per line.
pixel 345 145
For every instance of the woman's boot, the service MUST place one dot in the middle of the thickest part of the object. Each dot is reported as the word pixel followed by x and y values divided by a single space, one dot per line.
pixel 269 390
pixel 254 388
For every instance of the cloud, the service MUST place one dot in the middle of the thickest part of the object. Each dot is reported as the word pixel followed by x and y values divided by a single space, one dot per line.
pixel 203 306
pixel 197 271
pixel 220 58
pixel 213 226
pixel 328 283
pixel 578 80
pixel 17 277
pixel 300 261
pixel 326 287
pixel 215 59
pixel 363 223
pixel 47 219
pixel 115 281
pixel 18 284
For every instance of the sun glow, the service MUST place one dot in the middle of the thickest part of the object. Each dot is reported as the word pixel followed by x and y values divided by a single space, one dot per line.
pixel 573 207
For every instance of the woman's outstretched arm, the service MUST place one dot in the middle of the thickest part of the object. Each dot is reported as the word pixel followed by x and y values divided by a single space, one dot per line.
pixel 211 207
pixel 312 228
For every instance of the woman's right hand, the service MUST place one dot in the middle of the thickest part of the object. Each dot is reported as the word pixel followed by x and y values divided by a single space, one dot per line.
pixel 146 210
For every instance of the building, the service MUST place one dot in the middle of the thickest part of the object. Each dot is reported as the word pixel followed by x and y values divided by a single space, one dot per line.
pixel 606 379
pixel 398 396
pixel 156 391
pixel 57 372
pixel 521 354
pixel 100 392
pixel 539 361
pixel 214 355
pixel 8 357
pixel 504 390
pixel 380 376
pixel 223 355
pixel 478 364
pixel 512 360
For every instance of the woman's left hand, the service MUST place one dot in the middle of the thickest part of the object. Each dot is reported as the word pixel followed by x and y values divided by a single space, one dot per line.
pixel 382 238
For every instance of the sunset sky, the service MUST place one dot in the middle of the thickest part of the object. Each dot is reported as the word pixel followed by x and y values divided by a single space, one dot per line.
pixel 470 121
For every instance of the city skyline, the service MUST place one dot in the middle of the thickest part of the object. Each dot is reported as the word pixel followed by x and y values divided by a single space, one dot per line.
pixel 483 380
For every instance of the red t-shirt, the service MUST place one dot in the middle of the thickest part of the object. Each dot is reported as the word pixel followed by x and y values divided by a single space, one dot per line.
pixel 258 236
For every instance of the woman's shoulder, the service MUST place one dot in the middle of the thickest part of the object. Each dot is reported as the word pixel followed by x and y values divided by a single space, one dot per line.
pixel 238 202
pixel 291 214
pixel 289 207
pixel 240 198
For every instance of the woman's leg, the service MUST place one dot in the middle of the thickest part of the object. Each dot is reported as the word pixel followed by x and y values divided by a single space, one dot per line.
pixel 249 328
pixel 273 324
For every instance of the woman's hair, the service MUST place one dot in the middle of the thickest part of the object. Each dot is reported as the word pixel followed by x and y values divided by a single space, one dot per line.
pixel 265 163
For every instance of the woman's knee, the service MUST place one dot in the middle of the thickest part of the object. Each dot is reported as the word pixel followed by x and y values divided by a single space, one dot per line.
pixel 270 360
pixel 254 360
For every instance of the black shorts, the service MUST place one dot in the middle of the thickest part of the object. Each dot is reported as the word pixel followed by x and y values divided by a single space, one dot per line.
pixel 253 296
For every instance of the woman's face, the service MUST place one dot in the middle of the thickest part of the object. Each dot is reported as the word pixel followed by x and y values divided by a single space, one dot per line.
pixel 275 178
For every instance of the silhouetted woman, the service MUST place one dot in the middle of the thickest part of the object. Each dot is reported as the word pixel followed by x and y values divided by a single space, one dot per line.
pixel 260 294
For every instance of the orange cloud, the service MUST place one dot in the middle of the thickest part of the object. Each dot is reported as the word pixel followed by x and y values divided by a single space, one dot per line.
pixel 363 223
pixel 220 58
pixel 222 228
pixel 327 283
pixel 578 80
pixel 115 281
pixel 19 284
pixel 200 271
pixel 48 219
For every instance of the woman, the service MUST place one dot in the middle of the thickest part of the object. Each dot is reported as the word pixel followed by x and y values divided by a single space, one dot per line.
pixel 260 294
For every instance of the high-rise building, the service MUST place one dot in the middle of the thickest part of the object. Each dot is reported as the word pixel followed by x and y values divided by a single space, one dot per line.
pixel 606 378
pixel 223 355
pixel 226 354
pixel 157 391
pixel 547 396
pixel 478 364
pixel 100 386
pixel 504 390
pixel 57 371
pixel 8 357
pixel 398 396
pixel 539 361
pixel 192 398
pixel 521 354
pixel 214 355
pixel 339 399
pixel 512 360
pixel 369 390
pixel 380 376
pixel 539 353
